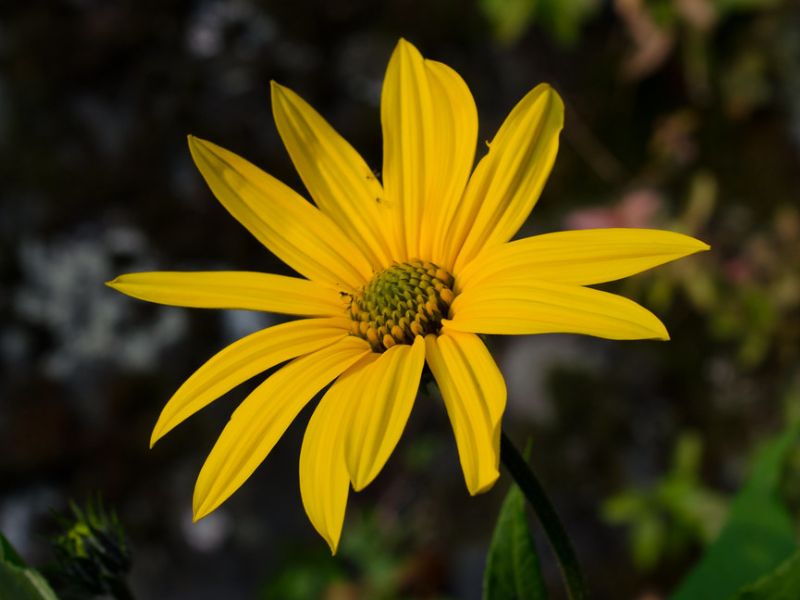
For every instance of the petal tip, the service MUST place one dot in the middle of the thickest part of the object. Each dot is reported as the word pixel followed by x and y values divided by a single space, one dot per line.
pixel 196 143
pixel 477 488
pixel 660 333
pixel 197 515
pixel 200 510
pixel 552 99
pixel 202 503
pixel 407 48
pixel 692 244
pixel 333 544
pixel 158 433
pixel 359 483
pixel 276 90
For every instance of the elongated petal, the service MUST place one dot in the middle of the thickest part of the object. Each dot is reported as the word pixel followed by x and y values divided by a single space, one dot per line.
pixel 324 481
pixel 582 257
pixel 233 289
pixel 293 229
pixel 545 307
pixel 242 360
pixel 474 394
pixel 260 420
pixel 336 176
pixel 383 404
pixel 407 123
pixel 508 180
pixel 456 119
pixel 429 129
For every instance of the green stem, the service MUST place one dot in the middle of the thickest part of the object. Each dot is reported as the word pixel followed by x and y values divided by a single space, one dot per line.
pixel 524 477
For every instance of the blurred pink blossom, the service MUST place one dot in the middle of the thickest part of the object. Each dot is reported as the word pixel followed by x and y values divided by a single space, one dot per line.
pixel 638 208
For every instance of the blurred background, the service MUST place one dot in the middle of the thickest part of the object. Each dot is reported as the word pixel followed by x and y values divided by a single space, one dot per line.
pixel 681 114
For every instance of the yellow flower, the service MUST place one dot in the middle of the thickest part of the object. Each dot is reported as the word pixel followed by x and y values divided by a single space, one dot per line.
pixel 395 274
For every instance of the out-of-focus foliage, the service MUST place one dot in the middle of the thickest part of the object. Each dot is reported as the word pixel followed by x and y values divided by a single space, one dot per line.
pixel 781 584
pixel 17 581
pixel 93 554
pixel 789 486
pixel 673 515
pixel 751 298
pixel 758 534
pixel 562 19
pixel 369 564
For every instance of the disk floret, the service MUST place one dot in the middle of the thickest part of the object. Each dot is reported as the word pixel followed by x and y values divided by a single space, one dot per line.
pixel 401 302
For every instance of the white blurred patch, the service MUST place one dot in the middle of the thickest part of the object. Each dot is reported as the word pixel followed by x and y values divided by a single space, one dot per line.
pixel 209 533
pixel 238 323
pixel 18 513
pixel 206 32
pixel 63 291
pixel 526 363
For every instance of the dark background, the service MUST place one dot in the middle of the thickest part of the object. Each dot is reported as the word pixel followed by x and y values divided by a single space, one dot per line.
pixel 681 115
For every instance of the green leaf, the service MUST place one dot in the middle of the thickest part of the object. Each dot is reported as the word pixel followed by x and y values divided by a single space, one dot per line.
pixel 508 18
pixel 23 584
pixel 782 584
pixel 757 537
pixel 17 582
pixel 8 554
pixel 563 19
pixel 512 567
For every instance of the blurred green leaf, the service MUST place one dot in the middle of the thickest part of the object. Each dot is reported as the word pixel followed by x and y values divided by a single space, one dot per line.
pixel 648 540
pixel 667 518
pixel 301 580
pixel 512 566
pixel 562 19
pixel 782 584
pixel 8 554
pixel 18 582
pixel 757 536
pixel 509 18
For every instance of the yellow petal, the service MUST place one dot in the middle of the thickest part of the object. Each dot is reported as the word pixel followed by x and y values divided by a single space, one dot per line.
pixel 456 119
pixel 233 289
pixel 474 394
pixel 429 126
pixel 336 176
pixel 545 307
pixel 242 360
pixel 293 229
pixel 382 405
pixel 582 257
pixel 324 482
pixel 508 180
pixel 260 420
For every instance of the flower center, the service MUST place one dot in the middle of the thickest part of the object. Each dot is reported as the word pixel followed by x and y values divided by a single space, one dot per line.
pixel 401 302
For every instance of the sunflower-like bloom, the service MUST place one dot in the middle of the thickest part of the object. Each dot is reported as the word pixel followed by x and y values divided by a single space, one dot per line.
pixel 395 274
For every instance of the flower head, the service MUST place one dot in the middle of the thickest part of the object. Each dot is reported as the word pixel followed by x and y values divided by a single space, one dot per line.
pixel 395 274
